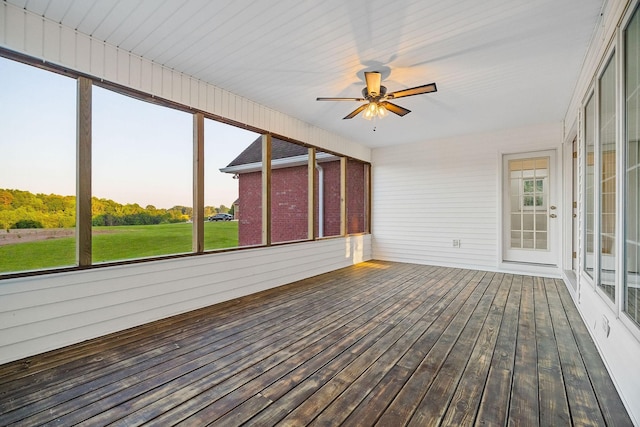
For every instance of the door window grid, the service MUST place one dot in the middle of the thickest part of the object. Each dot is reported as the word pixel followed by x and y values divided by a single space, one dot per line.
pixel 529 195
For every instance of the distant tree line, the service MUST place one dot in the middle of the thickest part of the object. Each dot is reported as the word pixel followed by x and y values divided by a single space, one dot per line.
pixel 22 209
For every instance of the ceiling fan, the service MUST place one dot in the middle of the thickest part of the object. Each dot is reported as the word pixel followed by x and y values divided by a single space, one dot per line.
pixel 378 99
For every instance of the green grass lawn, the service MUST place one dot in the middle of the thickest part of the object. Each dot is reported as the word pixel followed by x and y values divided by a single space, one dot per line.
pixel 117 243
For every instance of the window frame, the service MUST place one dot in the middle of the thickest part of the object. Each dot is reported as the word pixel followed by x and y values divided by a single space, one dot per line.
pixel 83 193
pixel 622 147
pixel 617 47
pixel 610 59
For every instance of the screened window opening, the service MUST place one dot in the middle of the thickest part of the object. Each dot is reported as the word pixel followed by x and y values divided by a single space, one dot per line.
pixel 143 165
pixel 357 196
pixel 232 187
pixel 246 168
pixel 289 191
pixel 142 178
pixel 38 172
pixel 328 182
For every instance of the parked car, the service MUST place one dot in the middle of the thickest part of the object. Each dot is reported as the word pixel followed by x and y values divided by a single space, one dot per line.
pixel 221 217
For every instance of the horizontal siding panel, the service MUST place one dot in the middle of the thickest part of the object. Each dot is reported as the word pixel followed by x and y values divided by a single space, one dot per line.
pixel 100 308
pixel 457 264
pixel 427 194
pixel 73 285
pixel 436 233
pixel 39 314
pixel 440 180
pixel 453 261
pixel 469 247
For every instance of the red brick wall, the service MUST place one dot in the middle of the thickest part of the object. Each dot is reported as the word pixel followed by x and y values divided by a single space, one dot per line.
pixel 289 205
pixel 289 208
pixel 250 202
pixel 331 210
pixel 356 194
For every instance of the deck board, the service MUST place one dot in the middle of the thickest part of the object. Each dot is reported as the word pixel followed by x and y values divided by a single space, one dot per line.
pixel 379 343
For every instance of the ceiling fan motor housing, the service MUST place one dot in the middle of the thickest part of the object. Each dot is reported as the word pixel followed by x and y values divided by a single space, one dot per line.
pixel 374 97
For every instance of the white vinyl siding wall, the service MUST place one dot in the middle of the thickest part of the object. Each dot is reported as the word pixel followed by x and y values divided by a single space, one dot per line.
pixel 428 194
pixel 41 313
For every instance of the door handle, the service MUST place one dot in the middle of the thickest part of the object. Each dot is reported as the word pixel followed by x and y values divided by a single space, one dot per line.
pixel 552 215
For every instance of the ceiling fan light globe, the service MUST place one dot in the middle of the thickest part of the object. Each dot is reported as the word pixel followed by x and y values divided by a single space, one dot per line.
pixel 382 112
pixel 368 114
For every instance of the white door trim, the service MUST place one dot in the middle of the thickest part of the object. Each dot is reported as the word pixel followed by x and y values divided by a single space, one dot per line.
pixel 550 257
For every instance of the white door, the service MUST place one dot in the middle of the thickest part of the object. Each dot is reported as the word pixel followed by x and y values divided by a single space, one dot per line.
pixel 531 224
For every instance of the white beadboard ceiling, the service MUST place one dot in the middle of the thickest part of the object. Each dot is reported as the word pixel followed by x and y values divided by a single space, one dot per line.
pixel 497 63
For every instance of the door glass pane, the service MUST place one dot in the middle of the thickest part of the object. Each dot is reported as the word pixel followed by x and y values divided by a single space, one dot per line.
pixel 607 175
pixel 541 240
pixel 589 190
pixel 516 239
pixel 527 222
pixel 529 194
pixel 632 88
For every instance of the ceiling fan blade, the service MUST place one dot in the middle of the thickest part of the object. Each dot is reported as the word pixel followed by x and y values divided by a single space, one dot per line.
pixel 419 90
pixel 401 111
pixel 373 79
pixel 340 99
pixel 355 112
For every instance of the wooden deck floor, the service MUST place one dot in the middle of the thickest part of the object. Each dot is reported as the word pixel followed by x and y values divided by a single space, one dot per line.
pixel 375 344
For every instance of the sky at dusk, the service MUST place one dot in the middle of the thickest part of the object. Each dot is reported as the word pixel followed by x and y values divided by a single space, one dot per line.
pixel 142 152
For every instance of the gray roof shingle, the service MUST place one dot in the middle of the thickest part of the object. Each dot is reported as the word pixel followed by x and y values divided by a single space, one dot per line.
pixel 279 150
